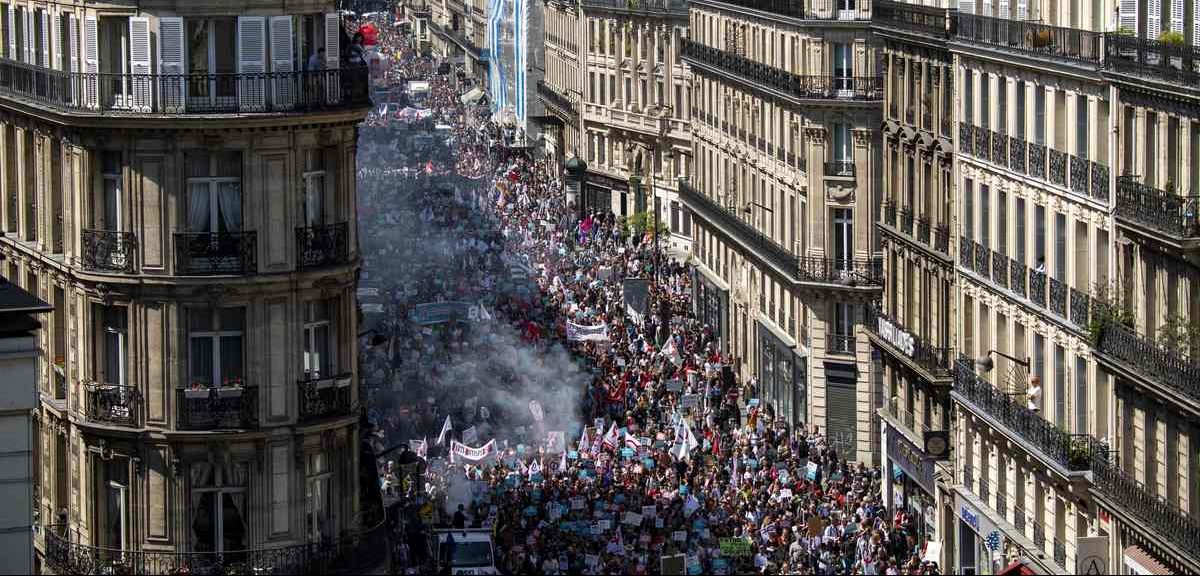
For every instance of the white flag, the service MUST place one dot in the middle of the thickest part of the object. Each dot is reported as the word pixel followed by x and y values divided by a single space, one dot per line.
pixel 611 437
pixel 536 408
pixel 469 435
pixel 445 428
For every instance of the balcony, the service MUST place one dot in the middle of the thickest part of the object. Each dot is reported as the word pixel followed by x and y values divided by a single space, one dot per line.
pixel 1036 40
pixel 108 251
pixel 941 239
pixel 1140 358
pixel 184 94
pixel 1157 213
pixel 809 9
pixel 673 7
pixel 360 552
pixel 889 213
pixel 847 272
pixel 218 408
pixel 936 361
pixel 840 344
pixel 907 419
pixel 321 246
pixel 906 220
pixel 839 168
pixel 850 88
pixel 211 253
pixel 563 105
pixel 1170 63
pixel 1081 176
pixel 112 404
pixel 1165 520
pixel 928 20
pixel 1070 452
pixel 325 397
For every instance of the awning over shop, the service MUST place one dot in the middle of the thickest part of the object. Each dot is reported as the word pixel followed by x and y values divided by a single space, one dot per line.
pixel 472 96
pixel 1140 561
pixel 1018 568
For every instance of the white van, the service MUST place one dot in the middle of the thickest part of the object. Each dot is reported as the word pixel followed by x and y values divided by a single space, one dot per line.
pixel 471 553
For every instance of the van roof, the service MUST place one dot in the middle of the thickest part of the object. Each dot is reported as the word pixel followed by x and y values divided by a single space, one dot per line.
pixel 468 536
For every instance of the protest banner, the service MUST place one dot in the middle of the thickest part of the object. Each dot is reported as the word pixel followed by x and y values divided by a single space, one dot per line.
pixel 632 519
pixel 470 435
pixel 674 386
pixel 689 401
pixel 461 450
pixel 439 312
pixel 579 332
pixel 735 547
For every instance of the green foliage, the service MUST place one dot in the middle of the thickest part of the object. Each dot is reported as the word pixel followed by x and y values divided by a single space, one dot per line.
pixel 1109 306
pixel 641 222
pixel 1179 336
pixel 1126 31
pixel 1171 38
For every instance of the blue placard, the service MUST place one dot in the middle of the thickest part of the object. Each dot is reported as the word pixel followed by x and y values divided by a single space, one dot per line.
pixel 627 452
pixel 531 511
pixel 648 463
pixel 572 455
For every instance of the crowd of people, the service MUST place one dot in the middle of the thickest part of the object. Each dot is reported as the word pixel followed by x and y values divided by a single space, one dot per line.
pixel 645 447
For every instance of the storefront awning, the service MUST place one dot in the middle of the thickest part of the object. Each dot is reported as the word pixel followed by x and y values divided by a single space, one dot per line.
pixel 1140 561
pixel 1018 568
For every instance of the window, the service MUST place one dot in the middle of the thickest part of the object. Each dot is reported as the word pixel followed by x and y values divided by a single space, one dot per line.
pixel 1039 112
pixel 1152 148
pixel 969 97
pixel 317 340
pixel 1002 104
pixel 211 46
pixel 968 214
pixel 1039 365
pixel 985 108
pixel 1020 115
pixel 314 187
pixel 843 327
pixel 216 347
pixel 214 192
pixel 1081 395
pixel 1020 233
pixel 319 504
pixel 1039 237
pixel 1060 386
pixel 675 217
pixel 985 231
pixel 110 168
pixel 1060 247
pixel 115 328
pixel 115 511
pixel 842 153
pixel 843 238
pixel 218 506
pixel 1081 126
pixel 1001 222
pixel 843 66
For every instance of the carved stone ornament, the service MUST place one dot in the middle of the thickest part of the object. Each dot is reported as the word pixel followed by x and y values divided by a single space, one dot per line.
pixel 329 286
pixel 862 138
pixel 215 293
pixel 815 134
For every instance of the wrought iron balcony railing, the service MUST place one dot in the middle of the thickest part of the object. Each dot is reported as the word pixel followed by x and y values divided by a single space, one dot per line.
pixel 182 94
pixel 1152 511
pixel 1030 37
pixel 359 552
pixel 1058 297
pixel 1075 453
pixel 796 86
pixel 840 168
pixel 923 229
pixel 1166 368
pixel 1173 63
pixel 983 266
pixel 938 361
pixel 1081 308
pixel 218 408
pixel 1037 288
pixel 108 250
pixel 847 272
pixel 112 404
pixel 941 239
pixel 325 397
pixel 1000 269
pixel 1157 210
pixel 906 220
pixel 810 9
pixel 889 213
pixel 324 245
pixel 676 7
pixel 1079 175
pixel 206 253
pixel 840 343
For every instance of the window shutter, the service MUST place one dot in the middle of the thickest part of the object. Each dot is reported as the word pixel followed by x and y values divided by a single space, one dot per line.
pixel 1004 9
pixel 1177 16
pixel 73 54
pixel 333 39
pixel 987 8
pixel 11 14
pixel 171 65
pixel 1153 18
pixel 1128 17
pixel 91 61
pixel 280 499
pixel 966 6
pixel 45 28
pixel 1195 22
pixel 1023 8
pixel 27 51
pixel 139 62
pixel 252 58
pixel 283 62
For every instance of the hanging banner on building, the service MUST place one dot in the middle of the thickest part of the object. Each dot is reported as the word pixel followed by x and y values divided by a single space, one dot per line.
pixel 439 312
pixel 1091 555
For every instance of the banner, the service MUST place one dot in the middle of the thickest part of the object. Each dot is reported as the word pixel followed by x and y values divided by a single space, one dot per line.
pixel 469 435
pixel 439 312
pixel 473 454
pixel 578 332
pixel 735 547
pixel 419 446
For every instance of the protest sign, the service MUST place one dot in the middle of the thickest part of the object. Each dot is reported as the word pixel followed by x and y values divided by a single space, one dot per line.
pixel 632 519
pixel 679 536
pixel 811 471
pixel 474 454
pixel 470 435
pixel 734 547
pixel 674 386
pixel 556 441
pixel 689 401
pixel 536 408
pixel 578 502
pixel 649 511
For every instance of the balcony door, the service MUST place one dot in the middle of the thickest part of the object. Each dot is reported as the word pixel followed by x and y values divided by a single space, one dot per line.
pixel 843 67
pixel 214 192
pixel 314 187
pixel 115 330
pixel 112 507
pixel 317 360
pixel 218 507
pixel 843 239
pixel 212 63
pixel 216 346
pixel 124 63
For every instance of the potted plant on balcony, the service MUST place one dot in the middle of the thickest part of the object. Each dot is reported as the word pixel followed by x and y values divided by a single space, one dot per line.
pixel 1043 38
pixel 1171 38
pixel 197 391
pixel 230 388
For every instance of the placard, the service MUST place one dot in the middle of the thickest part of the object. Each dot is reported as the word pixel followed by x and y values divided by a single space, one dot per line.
pixel 735 547
pixel 689 401
pixel 632 519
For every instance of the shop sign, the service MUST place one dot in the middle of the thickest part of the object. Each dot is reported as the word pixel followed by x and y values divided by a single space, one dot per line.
pixel 973 517
pixel 909 458
pixel 1091 555
pixel 897 337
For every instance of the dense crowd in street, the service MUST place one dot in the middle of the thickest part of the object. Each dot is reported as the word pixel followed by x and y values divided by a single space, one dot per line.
pixel 661 450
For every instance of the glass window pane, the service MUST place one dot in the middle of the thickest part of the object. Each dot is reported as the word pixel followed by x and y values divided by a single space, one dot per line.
pixel 231 359
pixel 201 360
pixel 233 319
pixel 199 319
pixel 233 520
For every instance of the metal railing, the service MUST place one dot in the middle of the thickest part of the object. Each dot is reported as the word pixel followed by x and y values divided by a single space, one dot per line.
pixel 849 272
pixel 1058 297
pixel 554 98
pixel 1031 37
pixel 325 397
pixel 906 220
pixel 840 168
pixel 358 552
pixel 181 94
pixel 108 250
pixel 1081 308
pixel 113 404
pixel 1175 63
pixel 1000 269
pixel 1079 175
pixel 205 253
pixel 324 245
pixel 923 229
pixel 1158 210
pixel 941 238
pixel 1037 288
pixel 1151 510
pixel 1074 453
pixel 856 10
pixel 1166 368
pixel 228 407
pixel 889 213
pixel 796 86
pixel 677 7
pixel 938 361
pixel 840 343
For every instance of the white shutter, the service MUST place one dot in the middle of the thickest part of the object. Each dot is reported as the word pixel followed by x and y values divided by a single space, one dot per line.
pixel 30 37
pixel 1128 17
pixel 171 65
pixel 252 62
pixel 1195 24
pixel 1023 9
pixel 140 79
pixel 56 38
pixel 282 62
pixel 73 54
pixel 1177 16
pixel 27 36
pixel 987 8
pixel 966 6
pixel 11 14
pixel 1003 10
pixel 333 39
pixel 45 28
pixel 91 61
pixel 1153 18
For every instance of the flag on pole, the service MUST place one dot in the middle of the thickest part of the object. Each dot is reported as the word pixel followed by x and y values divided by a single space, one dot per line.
pixel 445 429
pixel 632 442
pixel 611 438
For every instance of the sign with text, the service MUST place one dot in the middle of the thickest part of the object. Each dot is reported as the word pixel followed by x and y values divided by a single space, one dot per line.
pixel 735 547
pixel 897 337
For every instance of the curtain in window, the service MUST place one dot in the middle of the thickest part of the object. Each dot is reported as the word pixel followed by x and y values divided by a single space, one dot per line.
pixel 230 194
pixel 198 207
pixel 231 359
pixel 201 359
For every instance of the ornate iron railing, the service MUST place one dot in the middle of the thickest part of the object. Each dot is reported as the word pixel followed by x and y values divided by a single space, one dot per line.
pixel 203 253
pixel 1058 297
pixel 1016 277
pixel 923 229
pixel 1099 188
pixel 1016 154
pixel 796 86
pixel 806 9
pixel 1019 517
pixel 1060 552
pixel 1081 307
pixel 906 220
pixel 359 552
pixel 936 360
pixel 325 397
pixel 1058 167
pixel 1037 160
pixel 182 94
pixel 842 271
pixel 1174 63
pixel 982 266
pixel 840 343
pixel 760 244
pixel 1040 39
pixel 1037 287
pixel 966 252
pixel 112 404
pixel 1151 510
pixel 1079 176
pixel 941 239
pixel 1159 210
pixel 843 168
pixel 325 245
pixel 946 123
pixel 1000 149
pixel 889 213
pixel 966 138
pixel 218 408
pixel 676 7
pixel 109 250
pixel 982 148
pixel 1071 452
pixel 999 269
pixel 1164 367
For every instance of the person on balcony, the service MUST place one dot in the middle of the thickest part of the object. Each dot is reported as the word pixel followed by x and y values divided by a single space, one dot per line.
pixel 1033 394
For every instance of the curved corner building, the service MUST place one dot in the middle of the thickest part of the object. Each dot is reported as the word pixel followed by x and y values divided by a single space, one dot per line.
pixel 178 179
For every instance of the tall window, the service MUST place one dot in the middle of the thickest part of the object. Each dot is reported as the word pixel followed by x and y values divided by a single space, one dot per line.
pixel 1001 222
pixel 985 105
pixel 843 327
pixel 110 168
pixel 1039 236
pixel 114 514
pixel 216 345
pixel 1081 126
pixel 843 238
pixel 211 51
pixel 1039 364
pixel 842 152
pixel 1081 395
pixel 1060 386
pixel 214 191
pixel 843 66
pixel 1060 247
pixel 114 58
pixel 317 359
pixel 969 96
pixel 314 187
pixel 115 327
pixel 1002 104
pixel 318 500
pixel 1039 118
pixel 218 506
pixel 968 214
pixel 1020 115
pixel 985 231
pixel 1020 232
